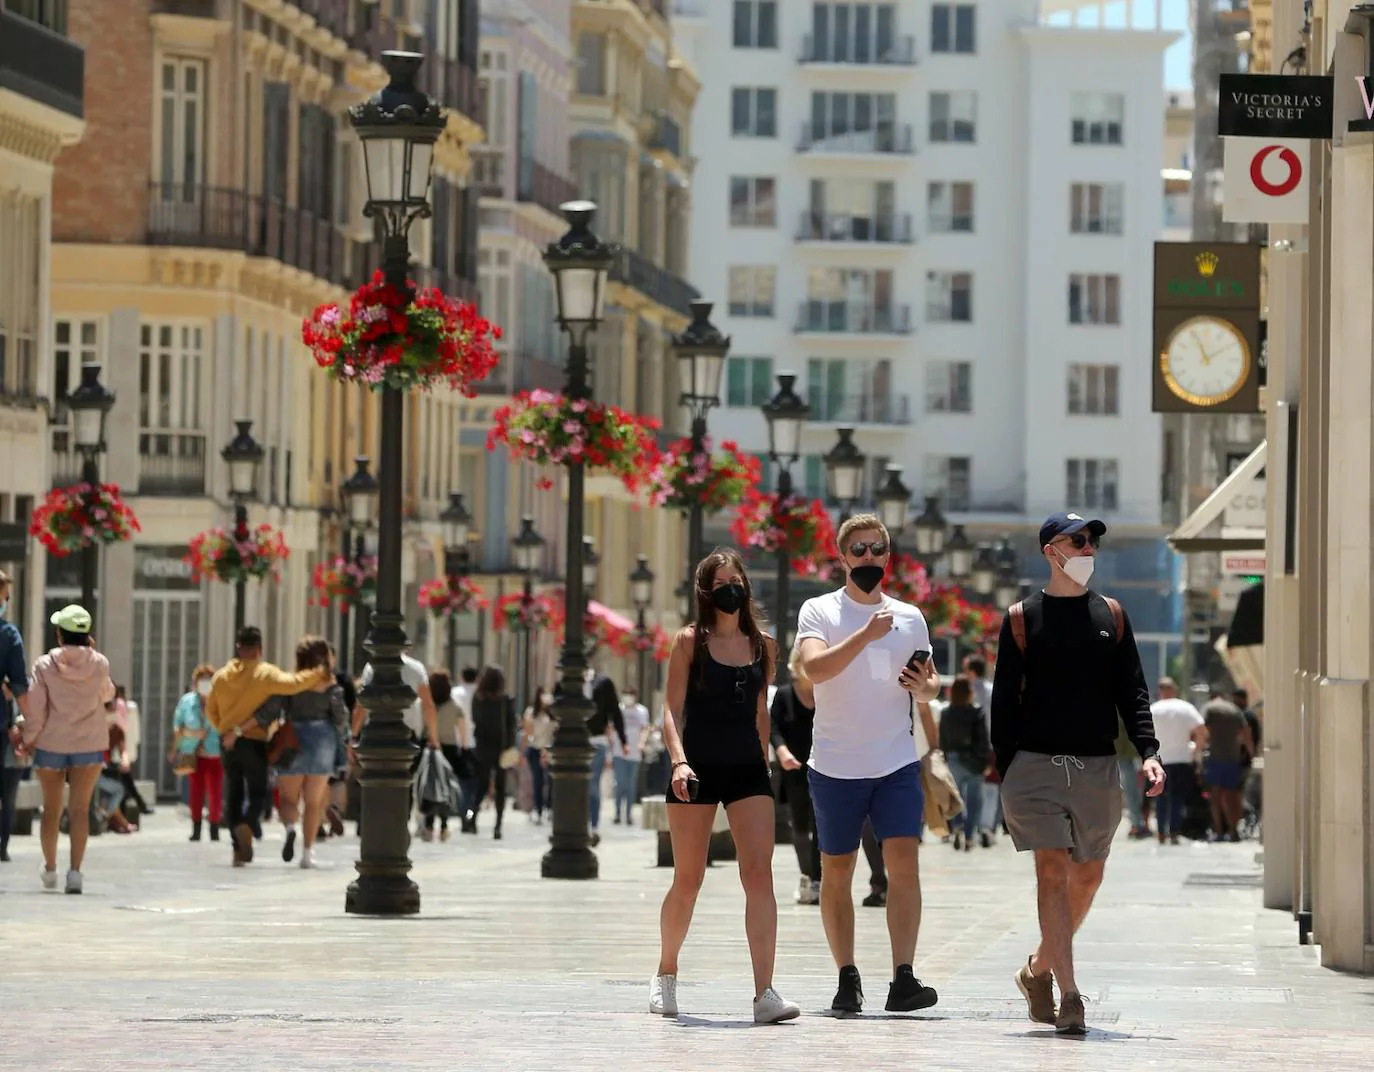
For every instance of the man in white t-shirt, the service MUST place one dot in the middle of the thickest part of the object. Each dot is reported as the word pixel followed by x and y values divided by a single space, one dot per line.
pixel 625 763
pixel 855 646
pixel 1179 728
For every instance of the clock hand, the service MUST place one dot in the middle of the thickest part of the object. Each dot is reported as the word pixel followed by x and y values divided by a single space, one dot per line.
pixel 1206 357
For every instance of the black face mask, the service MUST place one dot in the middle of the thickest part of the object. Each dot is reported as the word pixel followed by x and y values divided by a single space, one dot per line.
pixel 728 598
pixel 866 578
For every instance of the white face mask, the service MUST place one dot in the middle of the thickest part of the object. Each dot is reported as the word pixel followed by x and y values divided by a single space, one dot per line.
pixel 203 687
pixel 1079 569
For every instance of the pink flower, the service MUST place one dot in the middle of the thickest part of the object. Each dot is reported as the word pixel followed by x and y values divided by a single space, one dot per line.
pixel 527 436
pixel 579 405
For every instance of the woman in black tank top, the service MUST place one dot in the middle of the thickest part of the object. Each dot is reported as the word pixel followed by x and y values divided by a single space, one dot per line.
pixel 716 732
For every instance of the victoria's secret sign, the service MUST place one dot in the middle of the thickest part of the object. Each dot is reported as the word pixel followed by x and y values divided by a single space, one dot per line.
pixel 1275 106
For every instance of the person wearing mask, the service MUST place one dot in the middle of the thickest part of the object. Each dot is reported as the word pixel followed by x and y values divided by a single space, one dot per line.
pixel 791 718
pixel 493 726
pixel 65 731
pixel 1182 737
pixel 634 716
pixel 319 718
pixel 195 747
pixel 449 725
pixel 14 678
pixel 1067 668
pixel 968 751
pixel 539 728
pixel 717 730
pixel 600 689
pixel 1229 747
pixel 859 647
pixel 237 690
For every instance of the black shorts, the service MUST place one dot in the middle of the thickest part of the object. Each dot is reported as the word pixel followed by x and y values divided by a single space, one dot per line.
pixel 727 784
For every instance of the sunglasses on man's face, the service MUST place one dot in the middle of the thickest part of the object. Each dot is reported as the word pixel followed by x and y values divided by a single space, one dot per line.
pixel 1081 540
pixel 878 547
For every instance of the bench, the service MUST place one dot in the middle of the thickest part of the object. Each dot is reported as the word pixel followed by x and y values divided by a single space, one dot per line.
pixel 654 816
pixel 28 802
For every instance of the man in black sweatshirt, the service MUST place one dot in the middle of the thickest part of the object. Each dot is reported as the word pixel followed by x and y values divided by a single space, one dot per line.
pixel 1067 665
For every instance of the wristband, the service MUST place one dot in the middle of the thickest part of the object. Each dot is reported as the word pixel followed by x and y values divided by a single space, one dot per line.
pixel 681 763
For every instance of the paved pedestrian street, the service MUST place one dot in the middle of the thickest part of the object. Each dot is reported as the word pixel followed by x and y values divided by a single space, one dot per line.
pixel 173 960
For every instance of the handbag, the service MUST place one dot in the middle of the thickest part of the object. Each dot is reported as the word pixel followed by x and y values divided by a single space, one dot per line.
pixel 282 749
pixel 943 801
pixel 509 758
pixel 184 763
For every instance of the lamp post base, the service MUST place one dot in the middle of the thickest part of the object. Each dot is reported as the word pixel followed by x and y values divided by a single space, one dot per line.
pixel 569 863
pixel 383 894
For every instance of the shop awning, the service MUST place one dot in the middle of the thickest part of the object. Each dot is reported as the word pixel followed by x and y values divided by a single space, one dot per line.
pixel 614 619
pixel 1188 536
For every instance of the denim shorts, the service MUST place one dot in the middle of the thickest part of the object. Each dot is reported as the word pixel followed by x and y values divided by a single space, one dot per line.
pixel 319 744
pixel 894 803
pixel 45 760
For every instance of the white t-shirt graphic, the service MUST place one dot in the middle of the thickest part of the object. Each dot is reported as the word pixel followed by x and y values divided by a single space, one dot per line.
pixel 866 723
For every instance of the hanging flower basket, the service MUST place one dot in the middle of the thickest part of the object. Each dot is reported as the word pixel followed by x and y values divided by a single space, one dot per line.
pixel 601 633
pixel 71 518
pixel 799 527
pixel 444 600
pixel 542 611
pixel 380 340
pixel 216 554
pixel 683 479
pixel 344 580
pixel 980 625
pixel 908 580
pixel 549 429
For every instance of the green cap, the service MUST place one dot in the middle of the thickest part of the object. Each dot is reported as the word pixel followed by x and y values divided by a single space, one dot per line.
pixel 73 618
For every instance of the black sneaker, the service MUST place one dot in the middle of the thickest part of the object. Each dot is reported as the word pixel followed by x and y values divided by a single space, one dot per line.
pixel 289 849
pixel 876 899
pixel 907 994
pixel 849 997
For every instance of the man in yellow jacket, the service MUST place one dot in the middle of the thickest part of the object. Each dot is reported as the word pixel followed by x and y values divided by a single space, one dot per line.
pixel 238 689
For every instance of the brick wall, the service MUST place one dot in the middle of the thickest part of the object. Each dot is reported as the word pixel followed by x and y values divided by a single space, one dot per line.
pixel 100 189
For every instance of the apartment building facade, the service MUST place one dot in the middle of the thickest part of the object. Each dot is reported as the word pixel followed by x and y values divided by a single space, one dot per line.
pixel 217 201
pixel 941 217
pixel 42 109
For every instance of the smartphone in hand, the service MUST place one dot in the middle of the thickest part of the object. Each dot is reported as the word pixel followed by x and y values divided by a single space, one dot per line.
pixel 918 659
pixel 693 787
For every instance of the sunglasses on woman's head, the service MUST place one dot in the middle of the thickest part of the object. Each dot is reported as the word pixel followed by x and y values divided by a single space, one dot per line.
pixel 878 547
pixel 1081 540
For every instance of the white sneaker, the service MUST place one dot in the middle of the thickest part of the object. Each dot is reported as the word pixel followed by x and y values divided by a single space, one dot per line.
pixel 307 859
pixel 663 995
pixel 808 892
pixel 773 1008
pixel 73 881
pixel 49 879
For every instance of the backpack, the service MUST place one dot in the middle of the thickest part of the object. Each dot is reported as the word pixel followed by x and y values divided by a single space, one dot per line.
pixel 1017 615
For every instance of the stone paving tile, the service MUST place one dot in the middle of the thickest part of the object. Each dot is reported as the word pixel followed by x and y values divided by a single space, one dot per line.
pixel 173 960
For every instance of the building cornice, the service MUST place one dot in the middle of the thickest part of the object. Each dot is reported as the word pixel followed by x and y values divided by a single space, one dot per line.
pixel 34 130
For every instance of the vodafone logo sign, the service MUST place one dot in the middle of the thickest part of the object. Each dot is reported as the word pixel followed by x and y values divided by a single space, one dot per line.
pixel 1265 180
pixel 1288 158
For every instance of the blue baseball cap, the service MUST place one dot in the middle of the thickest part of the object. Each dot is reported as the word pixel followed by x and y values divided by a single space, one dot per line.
pixel 1067 524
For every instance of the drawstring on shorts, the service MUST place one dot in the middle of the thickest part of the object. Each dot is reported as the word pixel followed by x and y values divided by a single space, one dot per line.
pixel 1064 761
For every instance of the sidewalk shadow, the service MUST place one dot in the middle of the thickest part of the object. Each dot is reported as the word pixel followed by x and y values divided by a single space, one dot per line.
pixel 1094 1034
pixel 701 1021
pixel 834 1015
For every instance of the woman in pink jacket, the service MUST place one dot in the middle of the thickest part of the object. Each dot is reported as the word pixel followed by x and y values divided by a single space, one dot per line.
pixel 66 733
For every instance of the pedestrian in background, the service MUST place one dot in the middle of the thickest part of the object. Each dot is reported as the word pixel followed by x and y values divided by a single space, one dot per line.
pixel 625 765
pixel 792 716
pixel 196 749
pixel 14 678
pixel 493 724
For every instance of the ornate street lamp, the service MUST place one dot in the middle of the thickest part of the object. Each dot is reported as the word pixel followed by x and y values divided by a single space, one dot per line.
pixel 930 532
pixel 398 127
pixel 893 499
pixel 457 526
pixel 844 472
pixel 641 595
pixel 243 454
pixel 700 352
pixel 960 550
pixel 1008 589
pixel 526 547
pixel 786 414
pixel 359 494
pixel 90 405
pixel 580 264
pixel 984 576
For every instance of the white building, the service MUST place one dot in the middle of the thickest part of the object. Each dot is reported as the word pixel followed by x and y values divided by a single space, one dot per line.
pixel 941 216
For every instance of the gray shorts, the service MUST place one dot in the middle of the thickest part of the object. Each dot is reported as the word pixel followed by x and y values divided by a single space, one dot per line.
pixel 1063 802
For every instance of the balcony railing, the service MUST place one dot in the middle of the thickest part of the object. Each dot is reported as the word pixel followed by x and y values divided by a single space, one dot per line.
pixel 537 185
pixel 42 65
pixel 329 15
pixel 842 318
pixel 885 139
pixel 899 52
pixel 842 227
pixel 171 462
pixel 861 409
pixel 667 135
pixel 637 271
pixel 221 218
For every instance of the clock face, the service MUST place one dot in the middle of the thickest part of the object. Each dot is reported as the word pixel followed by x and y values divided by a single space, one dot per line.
pixel 1206 361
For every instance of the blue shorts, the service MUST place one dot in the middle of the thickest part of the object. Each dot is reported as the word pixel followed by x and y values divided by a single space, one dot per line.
pixel 894 803
pixel 318 751
pixel 1223 774
pixel 45 760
